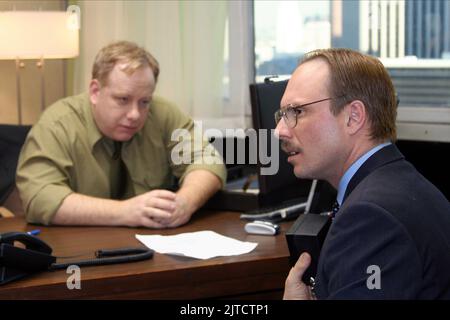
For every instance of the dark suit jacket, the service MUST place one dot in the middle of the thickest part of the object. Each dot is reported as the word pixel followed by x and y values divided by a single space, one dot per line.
pixel 394 221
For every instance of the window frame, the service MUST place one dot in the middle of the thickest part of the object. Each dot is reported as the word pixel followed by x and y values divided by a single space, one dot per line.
pixel 413 123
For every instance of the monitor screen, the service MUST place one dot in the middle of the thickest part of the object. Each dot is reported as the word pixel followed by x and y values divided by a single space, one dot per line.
pixel 250 183
pixel 265 101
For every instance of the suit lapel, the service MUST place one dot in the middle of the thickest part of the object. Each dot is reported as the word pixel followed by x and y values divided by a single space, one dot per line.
pixel 384 156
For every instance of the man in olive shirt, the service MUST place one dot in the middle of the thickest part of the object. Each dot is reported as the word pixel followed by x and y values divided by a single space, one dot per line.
pixel 105 157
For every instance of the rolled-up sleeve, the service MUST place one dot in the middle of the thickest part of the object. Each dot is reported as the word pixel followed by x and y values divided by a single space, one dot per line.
pixel 43 173
pixel 188 149
pixel 202 156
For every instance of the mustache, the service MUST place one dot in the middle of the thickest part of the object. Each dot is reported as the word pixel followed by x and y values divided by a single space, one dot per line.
pixel 288 147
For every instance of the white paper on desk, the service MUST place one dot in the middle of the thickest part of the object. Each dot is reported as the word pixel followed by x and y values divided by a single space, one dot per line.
pixel 200 244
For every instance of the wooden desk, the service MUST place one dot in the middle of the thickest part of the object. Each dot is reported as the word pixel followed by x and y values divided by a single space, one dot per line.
pixel 258 274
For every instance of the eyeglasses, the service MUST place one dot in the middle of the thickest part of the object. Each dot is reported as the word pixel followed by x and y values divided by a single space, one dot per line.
pixel 291 112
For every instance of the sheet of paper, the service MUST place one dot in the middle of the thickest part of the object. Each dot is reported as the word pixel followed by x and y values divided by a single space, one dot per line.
pixel 201 244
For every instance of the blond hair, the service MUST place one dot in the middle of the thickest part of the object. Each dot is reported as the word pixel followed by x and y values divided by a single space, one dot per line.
pixel 129 53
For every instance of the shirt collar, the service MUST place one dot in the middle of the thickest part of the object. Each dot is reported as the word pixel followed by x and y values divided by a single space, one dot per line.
pixel 343 183
pixel 93 134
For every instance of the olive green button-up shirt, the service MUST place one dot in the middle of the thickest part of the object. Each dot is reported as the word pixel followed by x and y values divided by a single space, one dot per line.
pixel 65 152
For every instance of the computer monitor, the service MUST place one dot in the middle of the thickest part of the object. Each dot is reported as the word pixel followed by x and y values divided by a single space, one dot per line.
pixel 248 188
pixel 284 185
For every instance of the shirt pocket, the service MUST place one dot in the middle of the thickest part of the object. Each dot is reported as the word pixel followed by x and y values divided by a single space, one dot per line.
pixel 157 176
pixel 154 175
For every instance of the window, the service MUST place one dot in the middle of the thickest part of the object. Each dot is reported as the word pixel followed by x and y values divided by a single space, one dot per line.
pixel 411 38
pixel 285 30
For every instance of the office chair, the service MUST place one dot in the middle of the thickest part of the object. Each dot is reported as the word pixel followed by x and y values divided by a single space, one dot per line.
pixel 12 138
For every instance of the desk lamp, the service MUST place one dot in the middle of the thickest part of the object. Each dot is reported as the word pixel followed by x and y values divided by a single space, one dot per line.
pixel 37 35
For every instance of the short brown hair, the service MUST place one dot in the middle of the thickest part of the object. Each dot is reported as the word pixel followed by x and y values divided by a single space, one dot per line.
pixel 356 76
pixel 130 53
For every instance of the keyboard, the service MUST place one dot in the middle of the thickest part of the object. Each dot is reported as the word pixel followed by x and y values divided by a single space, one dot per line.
pixel 276 213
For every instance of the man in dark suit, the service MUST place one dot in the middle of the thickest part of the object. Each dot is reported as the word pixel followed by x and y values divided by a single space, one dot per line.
pixel 390 239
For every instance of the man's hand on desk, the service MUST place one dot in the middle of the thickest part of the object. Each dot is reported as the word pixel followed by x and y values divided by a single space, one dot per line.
pixel 166 209
pixel 153 209
pixel 182 213
pixel 157 209
pixel 294 288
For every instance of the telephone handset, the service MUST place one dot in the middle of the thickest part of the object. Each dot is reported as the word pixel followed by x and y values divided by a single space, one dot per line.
pixel 17 262
pixel 31 242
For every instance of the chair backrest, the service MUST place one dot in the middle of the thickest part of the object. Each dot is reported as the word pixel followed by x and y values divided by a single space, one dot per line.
pixel 12 138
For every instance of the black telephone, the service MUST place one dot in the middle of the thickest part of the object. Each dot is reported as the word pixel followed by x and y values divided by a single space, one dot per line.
pixel 307 234
pixel 17 262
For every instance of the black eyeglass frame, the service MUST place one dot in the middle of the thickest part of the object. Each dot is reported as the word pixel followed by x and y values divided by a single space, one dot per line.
pixel 279 114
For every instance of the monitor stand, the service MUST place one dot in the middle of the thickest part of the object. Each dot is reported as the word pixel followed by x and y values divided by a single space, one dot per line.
pixel 243 194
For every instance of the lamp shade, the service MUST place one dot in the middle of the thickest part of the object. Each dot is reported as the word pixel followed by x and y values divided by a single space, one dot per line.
pixel 38 34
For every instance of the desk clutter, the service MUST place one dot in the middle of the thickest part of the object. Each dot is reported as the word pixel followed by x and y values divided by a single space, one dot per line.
pixel 35 256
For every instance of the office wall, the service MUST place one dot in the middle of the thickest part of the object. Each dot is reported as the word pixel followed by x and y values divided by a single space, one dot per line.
pixel 30 74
